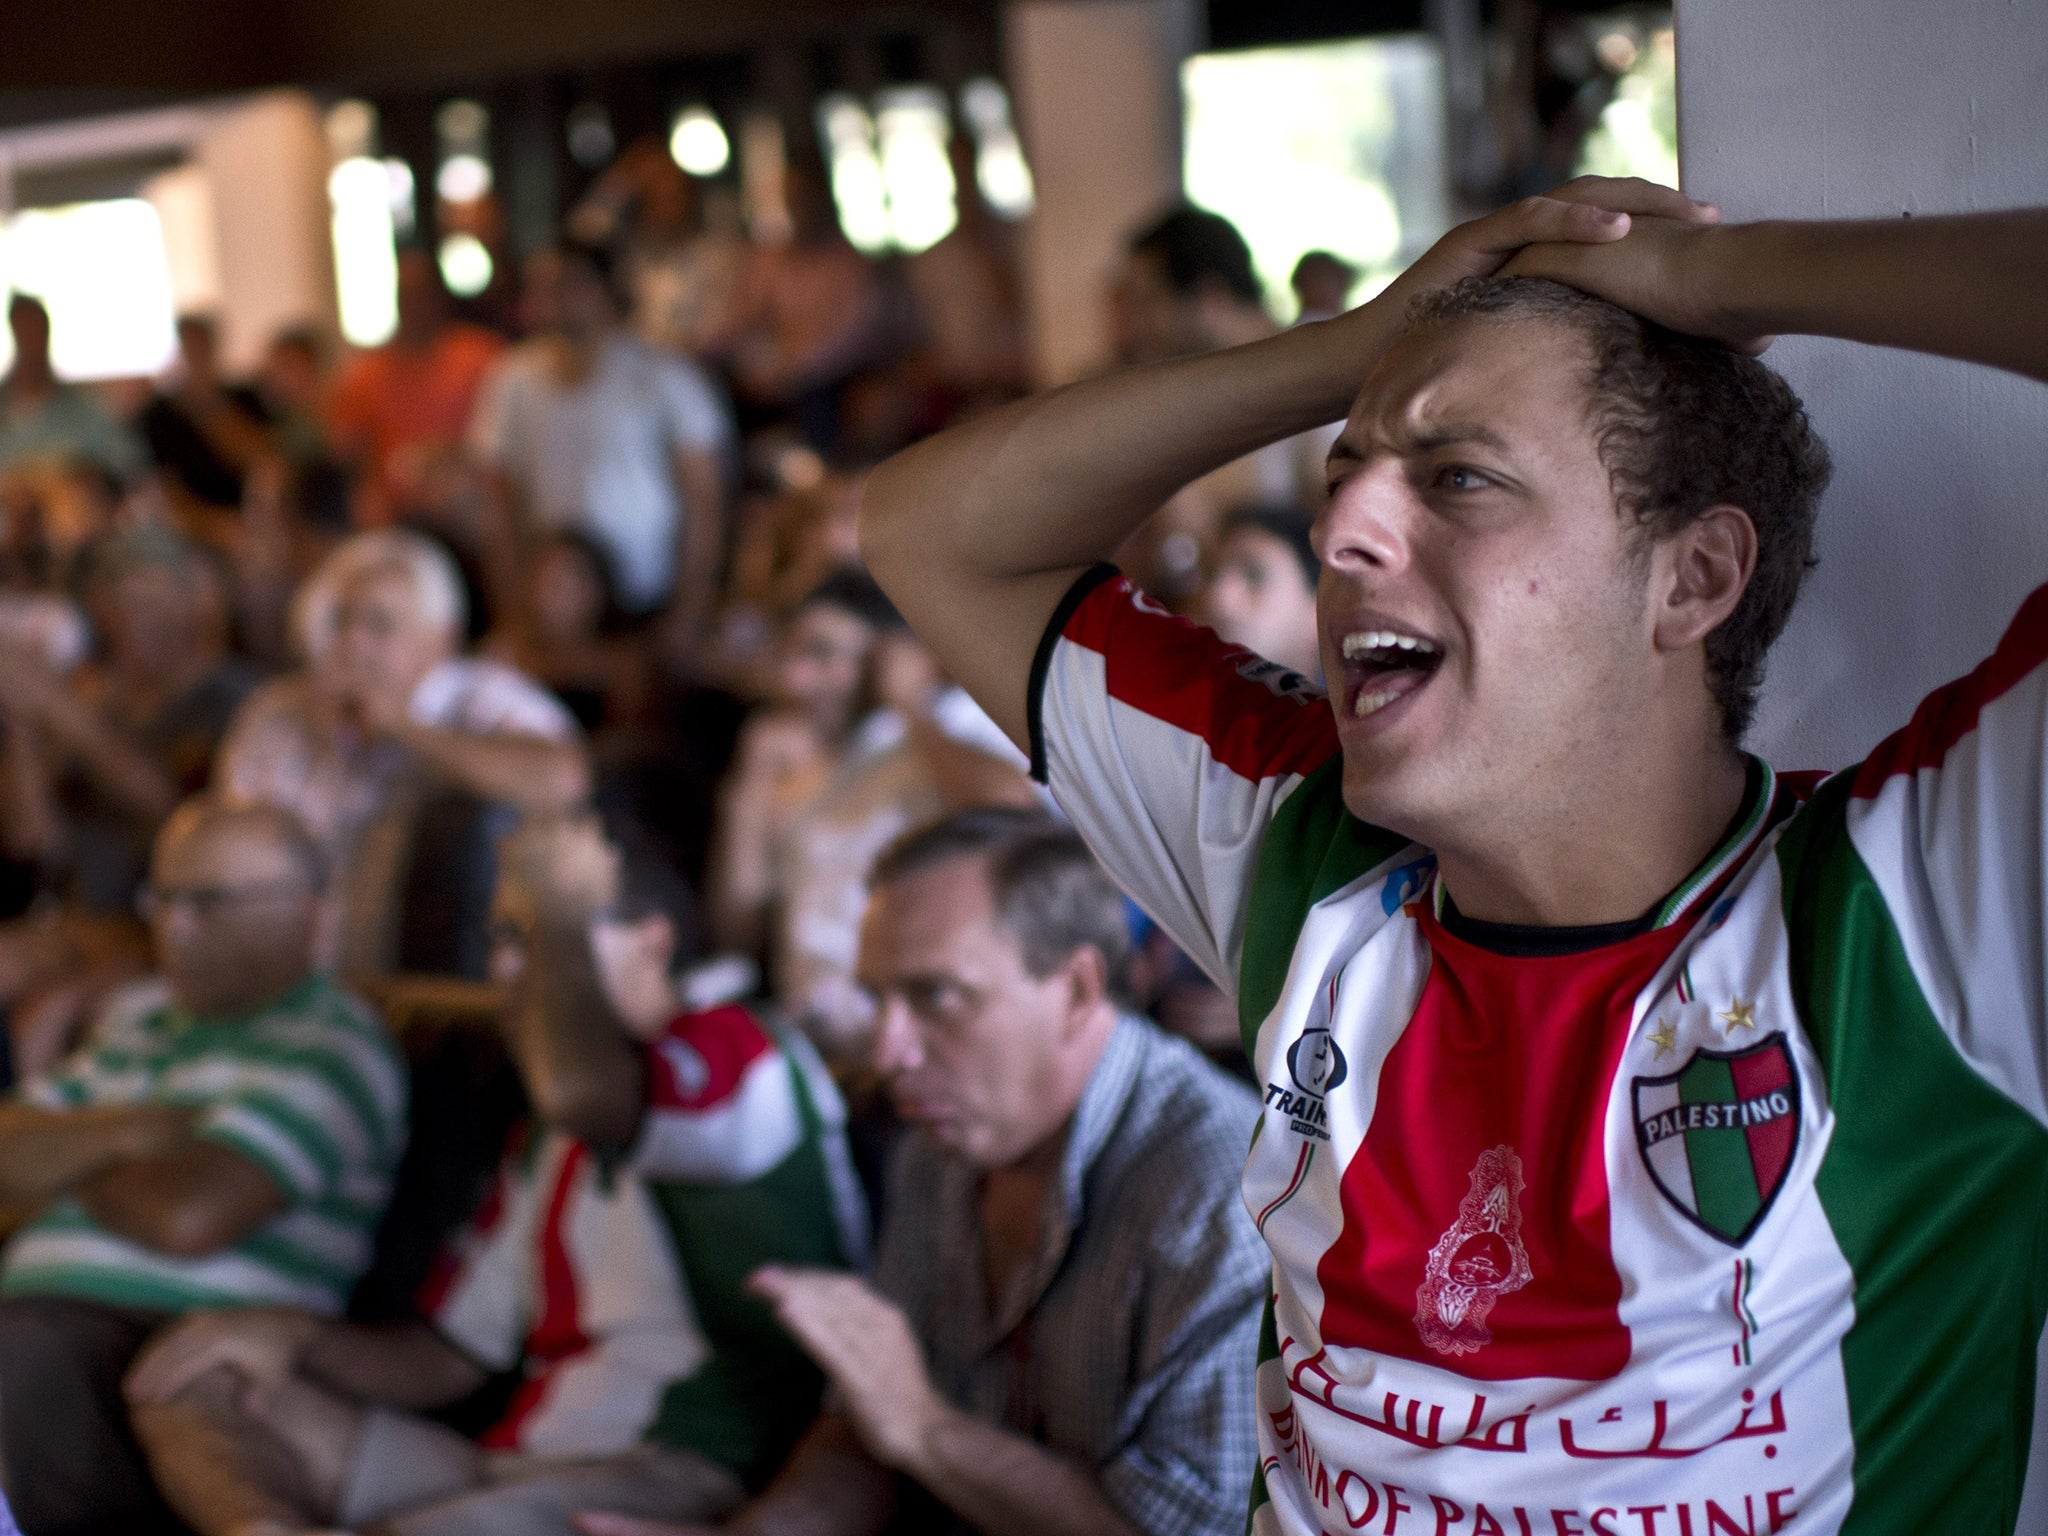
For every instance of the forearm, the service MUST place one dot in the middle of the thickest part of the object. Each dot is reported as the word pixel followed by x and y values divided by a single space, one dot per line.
pixel 187 1202
pixel 1060 480
pixel 978 532
pixel 741 883
pixel 580 1069
pixel 526 772
pixel 48 1152
pixel 1005 1485
pixel 829 1487
pixel 32 821
pixel 1968 286
pixel 125 774
pixel 400 1365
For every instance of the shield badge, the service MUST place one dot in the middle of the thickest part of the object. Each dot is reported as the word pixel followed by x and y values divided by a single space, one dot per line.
pixel 1718 1135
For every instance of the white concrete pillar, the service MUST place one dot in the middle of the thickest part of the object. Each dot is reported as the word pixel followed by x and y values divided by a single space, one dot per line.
pixel 1937 525
pixel 1097 99
pixel 265 163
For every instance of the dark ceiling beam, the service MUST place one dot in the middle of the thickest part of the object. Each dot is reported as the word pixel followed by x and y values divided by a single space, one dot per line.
pixel 137 49
pixel 128 52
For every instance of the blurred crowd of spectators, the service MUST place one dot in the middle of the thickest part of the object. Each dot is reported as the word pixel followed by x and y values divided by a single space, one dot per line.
pixel 333 697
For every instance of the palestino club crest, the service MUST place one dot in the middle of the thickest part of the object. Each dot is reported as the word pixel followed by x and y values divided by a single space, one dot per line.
pixel 1718 1134
pixel 1477 1261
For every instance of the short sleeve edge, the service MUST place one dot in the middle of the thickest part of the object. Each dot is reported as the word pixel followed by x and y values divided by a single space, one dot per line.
pixel 1041 661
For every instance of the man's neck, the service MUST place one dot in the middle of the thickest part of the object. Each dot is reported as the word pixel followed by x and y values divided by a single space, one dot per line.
pixel 1610 852
pixel 582 348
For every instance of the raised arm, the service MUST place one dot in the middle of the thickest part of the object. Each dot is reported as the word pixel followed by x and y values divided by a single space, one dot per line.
pixel 581 1070
pixel 48 1152
pixel 978 532
pixel 532 773
pixel 191 1201
pixel 1970 286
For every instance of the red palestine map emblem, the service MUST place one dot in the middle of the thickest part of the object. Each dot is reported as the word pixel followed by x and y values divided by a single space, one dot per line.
pixel 1478 1261
pixel 1718 1134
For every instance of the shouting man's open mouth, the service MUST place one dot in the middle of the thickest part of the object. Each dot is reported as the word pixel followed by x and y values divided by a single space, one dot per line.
pixel 1383 666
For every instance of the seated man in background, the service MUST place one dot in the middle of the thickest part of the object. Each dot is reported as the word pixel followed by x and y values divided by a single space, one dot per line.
pixel 669 1157
pixel 92 763
pixel 228 1140
pixel 1061 1327
pixel 387 710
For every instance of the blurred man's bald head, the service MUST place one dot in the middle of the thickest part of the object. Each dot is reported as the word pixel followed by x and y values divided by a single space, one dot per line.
pixel 234 904
pixel 267 832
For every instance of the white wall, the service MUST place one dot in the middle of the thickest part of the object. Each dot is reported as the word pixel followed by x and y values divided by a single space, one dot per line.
pixel 1097 90
pixel 265 162
pixel 1937 524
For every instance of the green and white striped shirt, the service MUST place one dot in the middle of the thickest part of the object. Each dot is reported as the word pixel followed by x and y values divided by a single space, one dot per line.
pixel 311 1089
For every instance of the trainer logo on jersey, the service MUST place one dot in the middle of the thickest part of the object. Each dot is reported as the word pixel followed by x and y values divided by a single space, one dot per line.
pixel 1317 1067
pixel 1718 1134
pixel 1478 1260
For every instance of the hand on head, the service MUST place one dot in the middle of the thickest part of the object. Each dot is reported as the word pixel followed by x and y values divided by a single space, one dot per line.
pixel 1630 241
pixel 1657 269
pixel 1587 211
pixel 557 868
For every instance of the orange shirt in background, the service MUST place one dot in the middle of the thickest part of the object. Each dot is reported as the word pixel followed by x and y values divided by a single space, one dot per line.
pixel 403 409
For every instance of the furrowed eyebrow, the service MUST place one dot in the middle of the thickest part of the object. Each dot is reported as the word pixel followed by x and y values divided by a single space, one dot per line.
pixel 1455 432
pixel 1344 451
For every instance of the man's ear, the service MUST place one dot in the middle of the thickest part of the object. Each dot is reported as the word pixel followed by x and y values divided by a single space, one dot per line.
pixel 1087 981
pixel 1707 566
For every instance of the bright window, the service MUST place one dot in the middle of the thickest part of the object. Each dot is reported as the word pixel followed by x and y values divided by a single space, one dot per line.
pixel 892 176
pixel 101 270
pixel 858 188
pixel 359 192
pixel 911 126
pixel 1333 146
pixel 1637 134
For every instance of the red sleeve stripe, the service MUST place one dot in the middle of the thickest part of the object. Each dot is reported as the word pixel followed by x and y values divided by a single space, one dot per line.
pixel 1950 713
pixel 698 1062
pixel 1258 720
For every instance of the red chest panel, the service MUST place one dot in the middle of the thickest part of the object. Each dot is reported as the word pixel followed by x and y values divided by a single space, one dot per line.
pixel 1476 1232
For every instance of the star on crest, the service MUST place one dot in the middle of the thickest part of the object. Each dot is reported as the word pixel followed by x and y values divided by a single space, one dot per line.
pixel 1664 1037
pixel 1737 1015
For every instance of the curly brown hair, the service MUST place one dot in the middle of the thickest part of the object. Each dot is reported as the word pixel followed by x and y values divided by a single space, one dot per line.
pixel 1683 425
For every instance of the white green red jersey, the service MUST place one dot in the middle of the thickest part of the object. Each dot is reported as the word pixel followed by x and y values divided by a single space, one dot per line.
pixel 617 1289
pixel 1732 1224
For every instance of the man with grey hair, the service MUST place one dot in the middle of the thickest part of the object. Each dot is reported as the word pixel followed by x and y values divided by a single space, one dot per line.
pixel 385 709
pixel 1059 1333
pixel 229 1139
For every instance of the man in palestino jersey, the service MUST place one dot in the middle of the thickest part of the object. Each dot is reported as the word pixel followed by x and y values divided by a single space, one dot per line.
pixel 1652 1145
